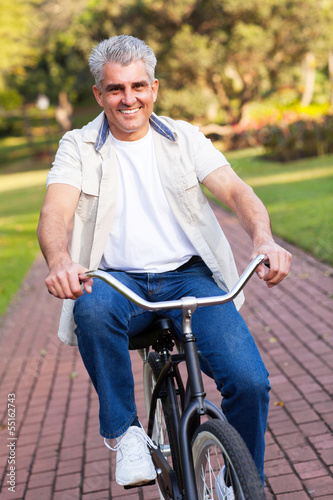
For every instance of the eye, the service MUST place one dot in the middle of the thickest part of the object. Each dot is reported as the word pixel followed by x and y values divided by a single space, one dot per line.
pixel 140 85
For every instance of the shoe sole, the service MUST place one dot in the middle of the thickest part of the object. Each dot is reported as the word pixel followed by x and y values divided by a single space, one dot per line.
pixel 137 485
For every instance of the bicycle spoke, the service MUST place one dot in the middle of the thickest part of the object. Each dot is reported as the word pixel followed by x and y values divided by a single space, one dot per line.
pixel 222 465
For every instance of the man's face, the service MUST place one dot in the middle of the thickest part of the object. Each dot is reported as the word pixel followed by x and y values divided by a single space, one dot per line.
pixel 127 98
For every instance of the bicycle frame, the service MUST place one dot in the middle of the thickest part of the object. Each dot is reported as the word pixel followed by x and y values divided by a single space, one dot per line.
pixel 198 406
pixel 194 405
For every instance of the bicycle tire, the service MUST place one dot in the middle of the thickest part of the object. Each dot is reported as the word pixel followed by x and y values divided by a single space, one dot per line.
pixel 163 432
pixel 216 444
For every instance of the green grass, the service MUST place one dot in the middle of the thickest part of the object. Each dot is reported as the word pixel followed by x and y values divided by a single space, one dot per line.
pixel 19 212
pixel 298 196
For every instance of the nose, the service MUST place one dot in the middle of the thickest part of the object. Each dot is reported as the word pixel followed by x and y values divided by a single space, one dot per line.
pixel 129 97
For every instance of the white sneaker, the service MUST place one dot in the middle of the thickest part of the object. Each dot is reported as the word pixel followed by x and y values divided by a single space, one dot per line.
pixel 134 464
pixel 223 491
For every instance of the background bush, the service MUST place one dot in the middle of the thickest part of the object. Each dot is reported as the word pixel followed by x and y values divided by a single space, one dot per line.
pixel 283 140
pixel 300 139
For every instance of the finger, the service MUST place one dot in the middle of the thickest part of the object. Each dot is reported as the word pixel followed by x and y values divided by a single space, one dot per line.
pixel 55 289
pixel 52 290
pixel 83 277
pixel 279 265
pixel 88 286
pixel 272 276
pixel 64 286
pixel 287 262
pixel 53 286
pixel 74 286
pixel 87 282
pixel 260 271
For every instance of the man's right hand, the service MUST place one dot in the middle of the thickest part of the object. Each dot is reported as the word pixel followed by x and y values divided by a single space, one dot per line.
pixel 64 280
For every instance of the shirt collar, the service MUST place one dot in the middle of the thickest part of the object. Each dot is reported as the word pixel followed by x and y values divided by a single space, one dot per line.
pixel 155 122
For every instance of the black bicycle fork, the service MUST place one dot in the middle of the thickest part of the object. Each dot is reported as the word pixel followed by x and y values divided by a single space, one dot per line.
pixel 195 406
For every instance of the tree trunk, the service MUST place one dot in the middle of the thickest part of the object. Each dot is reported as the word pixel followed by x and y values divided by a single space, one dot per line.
pixel 309 76
pixel 330 72
pixel 64 112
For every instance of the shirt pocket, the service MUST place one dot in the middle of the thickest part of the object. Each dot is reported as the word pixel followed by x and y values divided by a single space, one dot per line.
pixel 190 180
pixel 88 201
pixel 194 199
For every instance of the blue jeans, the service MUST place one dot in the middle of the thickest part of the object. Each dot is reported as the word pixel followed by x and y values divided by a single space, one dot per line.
pixel 106 320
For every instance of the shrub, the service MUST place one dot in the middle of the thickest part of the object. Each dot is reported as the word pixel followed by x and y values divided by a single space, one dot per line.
pixel 9 101
pixel 300 139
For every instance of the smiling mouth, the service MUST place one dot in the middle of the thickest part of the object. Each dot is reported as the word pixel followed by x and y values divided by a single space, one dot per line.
pixel 129 111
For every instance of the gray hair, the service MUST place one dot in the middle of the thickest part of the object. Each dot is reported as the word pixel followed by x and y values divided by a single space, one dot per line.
pixel 124 50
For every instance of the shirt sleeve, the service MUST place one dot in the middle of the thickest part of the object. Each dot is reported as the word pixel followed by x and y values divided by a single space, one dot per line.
pixel 206 157
pixel 67 167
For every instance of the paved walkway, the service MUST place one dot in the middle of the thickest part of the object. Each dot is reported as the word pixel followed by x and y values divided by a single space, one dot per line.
pixel 57 449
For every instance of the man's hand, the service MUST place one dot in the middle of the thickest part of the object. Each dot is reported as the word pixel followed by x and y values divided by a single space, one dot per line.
pixel 64 280
pixel 279 263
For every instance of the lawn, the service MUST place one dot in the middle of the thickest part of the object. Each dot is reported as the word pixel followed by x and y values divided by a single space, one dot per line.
pixel 19 211
pixel 298 196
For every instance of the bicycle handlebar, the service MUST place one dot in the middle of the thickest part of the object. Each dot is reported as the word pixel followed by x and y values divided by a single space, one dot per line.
pixel 179 303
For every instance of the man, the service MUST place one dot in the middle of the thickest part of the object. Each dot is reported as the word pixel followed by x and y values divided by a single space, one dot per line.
pixel 131 181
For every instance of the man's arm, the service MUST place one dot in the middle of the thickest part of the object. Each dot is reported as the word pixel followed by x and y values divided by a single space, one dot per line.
pixel 57 212
pixel 225 184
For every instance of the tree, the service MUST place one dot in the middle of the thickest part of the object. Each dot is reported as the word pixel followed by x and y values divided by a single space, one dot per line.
pixel 55 64
pixel 16 49
pixel 214 56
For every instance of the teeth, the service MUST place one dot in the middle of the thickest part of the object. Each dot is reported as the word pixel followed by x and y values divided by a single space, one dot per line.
pixel 129 111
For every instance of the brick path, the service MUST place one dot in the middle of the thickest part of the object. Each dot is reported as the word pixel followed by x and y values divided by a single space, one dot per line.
pixel 58 452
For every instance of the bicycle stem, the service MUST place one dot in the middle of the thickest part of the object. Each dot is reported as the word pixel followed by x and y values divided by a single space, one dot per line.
pixel 189 306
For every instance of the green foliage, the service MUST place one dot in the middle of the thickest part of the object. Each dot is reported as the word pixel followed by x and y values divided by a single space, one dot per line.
pixel 15 30
pixel 55 61
pixel 9 100
pixel 300 139
pixel 287 130
pixel 225 53
pixel 282 106
pixel 189 103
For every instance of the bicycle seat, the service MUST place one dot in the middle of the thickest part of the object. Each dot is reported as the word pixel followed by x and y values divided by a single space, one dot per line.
pixel 151 334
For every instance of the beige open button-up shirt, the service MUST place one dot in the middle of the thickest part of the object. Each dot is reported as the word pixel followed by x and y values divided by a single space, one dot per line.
pixel 86 160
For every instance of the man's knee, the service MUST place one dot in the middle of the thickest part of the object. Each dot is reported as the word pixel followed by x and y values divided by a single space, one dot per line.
pixel 254 386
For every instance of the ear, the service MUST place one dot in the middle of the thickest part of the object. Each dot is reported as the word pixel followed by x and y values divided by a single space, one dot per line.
pixel 154 87
pixel 98 95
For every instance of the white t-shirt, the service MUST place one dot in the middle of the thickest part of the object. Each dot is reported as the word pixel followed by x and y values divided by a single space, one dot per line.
pixel 145 235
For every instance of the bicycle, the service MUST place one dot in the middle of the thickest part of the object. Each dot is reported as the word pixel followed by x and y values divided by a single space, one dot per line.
pixel 198 450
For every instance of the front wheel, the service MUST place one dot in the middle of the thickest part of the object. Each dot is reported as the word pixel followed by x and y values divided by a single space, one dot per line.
pixel 223 466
